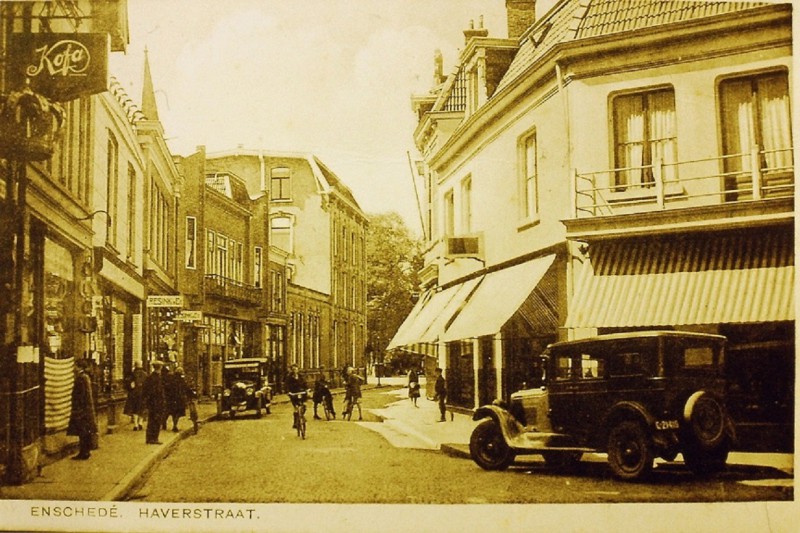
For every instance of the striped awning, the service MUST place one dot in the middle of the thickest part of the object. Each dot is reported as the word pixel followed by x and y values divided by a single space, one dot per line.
pixel 686 280
pixel 502 294
pixel 427 320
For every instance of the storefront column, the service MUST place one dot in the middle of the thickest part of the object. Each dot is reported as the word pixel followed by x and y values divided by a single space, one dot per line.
pixel 477 357
pixel 498 364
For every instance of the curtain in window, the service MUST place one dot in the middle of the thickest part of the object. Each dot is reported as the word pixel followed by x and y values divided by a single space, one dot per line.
pixel 629 123
pixel 773 95
pixel 755 114
pixel 661 122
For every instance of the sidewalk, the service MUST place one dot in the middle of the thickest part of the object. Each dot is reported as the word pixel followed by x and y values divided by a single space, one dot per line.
pixel 121 459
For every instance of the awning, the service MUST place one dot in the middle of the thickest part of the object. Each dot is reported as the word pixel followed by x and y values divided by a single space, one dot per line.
pixel 500 295
pixel 401 337
pixel 714 279
pixel 427 319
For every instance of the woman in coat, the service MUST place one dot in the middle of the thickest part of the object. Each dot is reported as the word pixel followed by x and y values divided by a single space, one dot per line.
pixel 413 386
pixel 134 405
pixel 82 421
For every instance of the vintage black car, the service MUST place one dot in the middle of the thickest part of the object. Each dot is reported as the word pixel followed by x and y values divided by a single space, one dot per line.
pixel 634 396
pixel 245 387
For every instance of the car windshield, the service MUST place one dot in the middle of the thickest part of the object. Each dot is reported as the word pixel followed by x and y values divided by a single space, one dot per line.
pixel 241 374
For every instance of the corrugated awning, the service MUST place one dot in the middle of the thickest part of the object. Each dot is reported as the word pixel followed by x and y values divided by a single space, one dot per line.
pixel 427 319
pixel 714 279
pixel 401 337
pixel 499 296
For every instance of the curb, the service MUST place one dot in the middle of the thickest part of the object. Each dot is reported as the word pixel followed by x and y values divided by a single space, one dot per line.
pixel 121 491
pixel 460 451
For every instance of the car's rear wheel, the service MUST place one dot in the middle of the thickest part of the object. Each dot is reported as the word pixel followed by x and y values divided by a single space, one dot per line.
pixel 630 452
pixel 562 460
pixel 488 448
pixel 704 416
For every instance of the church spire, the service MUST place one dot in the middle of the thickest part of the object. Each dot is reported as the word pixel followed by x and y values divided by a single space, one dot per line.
pixel 149 107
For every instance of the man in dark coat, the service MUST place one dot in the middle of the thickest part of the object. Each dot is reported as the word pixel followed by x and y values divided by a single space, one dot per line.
pixel 441 393
pixel 177 393
pixel 153 397
pixel 82 421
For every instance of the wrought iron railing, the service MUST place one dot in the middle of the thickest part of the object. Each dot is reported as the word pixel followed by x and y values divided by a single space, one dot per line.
pixel 745 177
pixel 223 287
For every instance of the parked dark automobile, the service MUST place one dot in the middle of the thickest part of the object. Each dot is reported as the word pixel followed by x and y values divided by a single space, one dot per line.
pixel 635 396
pixel 245 387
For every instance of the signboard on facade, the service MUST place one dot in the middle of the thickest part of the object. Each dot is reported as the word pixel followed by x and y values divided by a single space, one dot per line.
pixel 189 316
pixel 60 66
pixel 165 300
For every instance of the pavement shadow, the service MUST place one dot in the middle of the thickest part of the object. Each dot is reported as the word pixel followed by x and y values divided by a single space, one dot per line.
pixel 663 474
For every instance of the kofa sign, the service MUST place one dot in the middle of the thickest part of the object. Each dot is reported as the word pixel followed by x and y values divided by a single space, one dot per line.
pixel 60 66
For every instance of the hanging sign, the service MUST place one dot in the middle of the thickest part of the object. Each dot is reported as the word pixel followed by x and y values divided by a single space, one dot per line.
pixel 60 66
pixel 165 300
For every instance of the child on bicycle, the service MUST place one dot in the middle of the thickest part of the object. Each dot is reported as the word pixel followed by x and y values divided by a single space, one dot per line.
pixel 353 392
pixel 322 393
pixel 295 384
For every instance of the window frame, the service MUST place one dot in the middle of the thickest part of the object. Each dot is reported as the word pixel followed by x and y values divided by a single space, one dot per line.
pixel 190 260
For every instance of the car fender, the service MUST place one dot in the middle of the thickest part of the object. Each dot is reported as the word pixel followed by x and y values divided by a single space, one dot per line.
pixel 508 424
pixel 625 410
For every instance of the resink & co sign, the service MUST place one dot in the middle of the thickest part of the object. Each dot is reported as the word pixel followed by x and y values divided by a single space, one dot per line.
pixel 61 66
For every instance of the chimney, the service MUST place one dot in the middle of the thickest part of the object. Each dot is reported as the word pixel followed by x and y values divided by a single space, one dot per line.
pixel 438 76
pixel 521 15
pixel 472 32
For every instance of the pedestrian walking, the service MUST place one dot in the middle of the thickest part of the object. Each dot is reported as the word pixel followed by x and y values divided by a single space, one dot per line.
pixel 153 398
pixel 134 406
pixel 82 420
pixel 177 395
pixel 441 394
pixel 353 392
pixel 413 386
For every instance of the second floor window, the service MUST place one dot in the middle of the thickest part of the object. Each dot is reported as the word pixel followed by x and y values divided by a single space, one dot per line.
pixel 191 242
pixel 112 192
pixel 280 184
pixel 466 205
pixel 529 175
pixel 281 233
pixel 449 214
pixel 644 135
pixel 755 116
pixel 258 264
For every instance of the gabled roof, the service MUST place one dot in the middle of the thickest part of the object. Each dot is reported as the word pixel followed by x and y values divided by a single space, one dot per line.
pixel 573 20
pixel 335 183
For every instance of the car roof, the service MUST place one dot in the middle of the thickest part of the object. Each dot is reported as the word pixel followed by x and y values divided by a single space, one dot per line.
pixel 245 361
pixel 638 335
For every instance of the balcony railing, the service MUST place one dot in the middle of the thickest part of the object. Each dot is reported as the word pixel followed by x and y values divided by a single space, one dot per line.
pixel 745 177
pixel 223 287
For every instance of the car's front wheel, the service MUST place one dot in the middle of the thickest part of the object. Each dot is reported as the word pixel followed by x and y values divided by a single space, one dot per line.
pixel 630 452
pixel 488 448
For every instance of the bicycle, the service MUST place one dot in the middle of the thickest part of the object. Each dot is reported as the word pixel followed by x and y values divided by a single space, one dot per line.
pixel 299 411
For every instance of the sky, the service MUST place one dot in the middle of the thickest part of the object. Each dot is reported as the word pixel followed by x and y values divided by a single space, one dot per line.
pixel 328 77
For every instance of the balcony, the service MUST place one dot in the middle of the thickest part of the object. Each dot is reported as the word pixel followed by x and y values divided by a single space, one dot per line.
pixel 226 288
pixel 745 189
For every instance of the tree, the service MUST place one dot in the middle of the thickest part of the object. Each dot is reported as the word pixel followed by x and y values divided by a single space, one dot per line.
pixel 394 258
